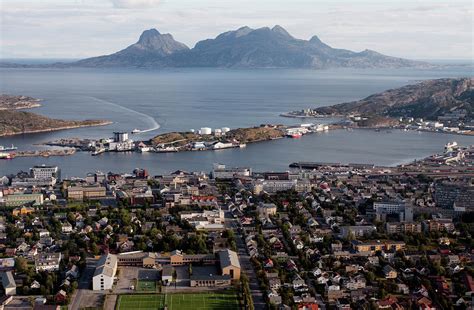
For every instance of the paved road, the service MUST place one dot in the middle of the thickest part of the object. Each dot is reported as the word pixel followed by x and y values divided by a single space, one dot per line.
pixel 246 264
pixel 84 285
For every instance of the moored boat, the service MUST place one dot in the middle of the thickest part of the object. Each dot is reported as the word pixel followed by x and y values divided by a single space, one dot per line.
pixel 6 156
pixel 8 148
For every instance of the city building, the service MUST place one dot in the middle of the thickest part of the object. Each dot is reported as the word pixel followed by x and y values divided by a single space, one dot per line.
pixel 374 246
pixel 8 282
pixel 403 228
pixel 86 192
pixel 20 199
pixel 48 261
pixel 229 263
pixel 222 172
pixel 104 275
pixel 265 210
pixel 456 196
pixel 45 172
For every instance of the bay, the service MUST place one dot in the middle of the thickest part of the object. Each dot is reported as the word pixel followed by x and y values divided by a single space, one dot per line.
pixel 181 99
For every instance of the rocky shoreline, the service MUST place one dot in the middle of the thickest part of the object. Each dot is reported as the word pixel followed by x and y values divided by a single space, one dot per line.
pixel 91 124
pixel 14 122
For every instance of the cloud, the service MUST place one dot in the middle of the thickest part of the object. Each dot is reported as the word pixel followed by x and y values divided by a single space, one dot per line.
pixel 135 4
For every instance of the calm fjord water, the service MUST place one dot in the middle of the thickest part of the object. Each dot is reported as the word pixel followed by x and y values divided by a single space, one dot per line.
pixel 181 99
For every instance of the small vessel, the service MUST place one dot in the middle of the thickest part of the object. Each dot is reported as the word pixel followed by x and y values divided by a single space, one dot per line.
pixel 296 135
pixel 135 131
pixel 450 146
pixel 144 149
pixel 6 156
pixel 98 151
pixel 170 149
pixel 8 148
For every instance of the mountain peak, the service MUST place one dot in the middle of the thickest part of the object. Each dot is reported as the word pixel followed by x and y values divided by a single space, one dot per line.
pixel 242 31
pixel 148 34
pixel 315 39
pixel 280 30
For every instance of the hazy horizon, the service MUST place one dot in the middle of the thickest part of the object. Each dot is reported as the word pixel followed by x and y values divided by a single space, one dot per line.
pixel 75 29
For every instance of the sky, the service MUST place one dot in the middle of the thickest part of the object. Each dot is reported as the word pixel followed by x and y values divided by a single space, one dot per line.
pixel 416 29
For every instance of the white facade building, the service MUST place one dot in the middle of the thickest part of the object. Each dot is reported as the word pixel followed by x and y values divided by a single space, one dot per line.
pixel 48 262
pixel 46 172
pixel 206 131
pixel 104 274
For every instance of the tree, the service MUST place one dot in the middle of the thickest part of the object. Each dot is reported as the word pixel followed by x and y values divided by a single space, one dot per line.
pixel 21 264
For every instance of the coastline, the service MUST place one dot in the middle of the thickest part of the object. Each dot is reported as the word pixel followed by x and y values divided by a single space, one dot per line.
pixel 99 123
pixel 30 106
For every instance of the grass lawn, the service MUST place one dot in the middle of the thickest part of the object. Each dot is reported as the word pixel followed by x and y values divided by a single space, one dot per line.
pixel 146 286
pixel 181 301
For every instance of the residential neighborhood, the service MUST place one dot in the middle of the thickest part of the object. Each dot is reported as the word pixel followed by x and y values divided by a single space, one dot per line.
pixel 318 236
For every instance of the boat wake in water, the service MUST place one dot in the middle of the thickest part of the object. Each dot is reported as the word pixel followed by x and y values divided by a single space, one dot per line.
pixel 153 123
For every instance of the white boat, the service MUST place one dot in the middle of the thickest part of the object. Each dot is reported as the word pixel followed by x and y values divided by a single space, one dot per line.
pixel 144 149
pixel 98 151
pixel 6 156
pixel 136 131
pixel 8 148
pixel 170 149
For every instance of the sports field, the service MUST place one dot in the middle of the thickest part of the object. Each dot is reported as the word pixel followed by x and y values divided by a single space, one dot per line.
pixel 197 301
pixel 146 286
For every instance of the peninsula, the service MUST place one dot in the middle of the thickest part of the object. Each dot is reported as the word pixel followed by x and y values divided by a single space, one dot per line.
pixel 13 122
pixel 205 139
pixel 438 104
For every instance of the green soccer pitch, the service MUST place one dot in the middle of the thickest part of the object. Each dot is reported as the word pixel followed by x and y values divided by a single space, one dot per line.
pixel 180 301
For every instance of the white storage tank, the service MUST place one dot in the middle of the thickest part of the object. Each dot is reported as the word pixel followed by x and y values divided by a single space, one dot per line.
pixel 225 129
pixel 217 132
pixel 206 131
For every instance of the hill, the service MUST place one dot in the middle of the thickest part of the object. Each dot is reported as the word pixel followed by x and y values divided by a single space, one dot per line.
pixel 428 99
pixel 15 122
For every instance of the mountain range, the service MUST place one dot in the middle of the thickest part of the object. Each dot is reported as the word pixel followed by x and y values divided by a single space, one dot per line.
pixel 245 48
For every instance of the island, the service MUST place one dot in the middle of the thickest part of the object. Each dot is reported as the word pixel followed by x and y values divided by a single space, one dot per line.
pixel 13 122
pixel 8 102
